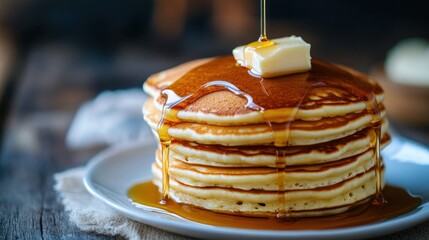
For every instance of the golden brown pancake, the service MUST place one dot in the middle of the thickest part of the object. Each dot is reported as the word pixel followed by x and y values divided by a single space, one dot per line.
pixel 320 201
pixel 299 132
pixel 325 91
pixel 265 178
pixel 267 156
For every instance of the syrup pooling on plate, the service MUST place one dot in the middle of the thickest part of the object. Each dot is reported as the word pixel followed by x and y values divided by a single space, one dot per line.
pixel 290 93
pixel 146 195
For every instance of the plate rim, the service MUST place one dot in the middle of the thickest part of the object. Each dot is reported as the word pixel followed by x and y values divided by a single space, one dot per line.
pixel 363 231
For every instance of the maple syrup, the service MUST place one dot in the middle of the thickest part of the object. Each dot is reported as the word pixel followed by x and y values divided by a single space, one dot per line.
pixel 147 195
pixel 372 105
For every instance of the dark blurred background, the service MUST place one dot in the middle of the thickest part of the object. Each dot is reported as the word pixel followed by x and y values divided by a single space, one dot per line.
pixel 56 54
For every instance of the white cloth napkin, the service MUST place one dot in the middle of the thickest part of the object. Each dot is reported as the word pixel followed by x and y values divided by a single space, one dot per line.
pixel 88 213
pixel 112 117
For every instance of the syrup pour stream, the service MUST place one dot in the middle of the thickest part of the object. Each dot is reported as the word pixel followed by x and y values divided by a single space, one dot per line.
pixel 263 40
pixel 263 35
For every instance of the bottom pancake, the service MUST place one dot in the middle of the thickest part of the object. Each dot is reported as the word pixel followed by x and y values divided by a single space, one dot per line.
pixel 321 201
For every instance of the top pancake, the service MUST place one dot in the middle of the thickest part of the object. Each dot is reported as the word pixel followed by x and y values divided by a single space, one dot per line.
pixel 232 96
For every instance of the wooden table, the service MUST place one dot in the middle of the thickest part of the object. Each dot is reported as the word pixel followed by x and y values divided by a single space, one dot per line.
pixel 49 89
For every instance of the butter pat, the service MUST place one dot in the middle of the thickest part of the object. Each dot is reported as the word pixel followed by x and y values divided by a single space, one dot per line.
pixel 281 56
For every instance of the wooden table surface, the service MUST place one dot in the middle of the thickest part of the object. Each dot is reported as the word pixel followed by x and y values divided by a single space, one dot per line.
pixel 33 149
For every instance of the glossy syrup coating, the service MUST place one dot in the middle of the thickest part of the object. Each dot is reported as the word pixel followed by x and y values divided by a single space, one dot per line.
pixel 278 92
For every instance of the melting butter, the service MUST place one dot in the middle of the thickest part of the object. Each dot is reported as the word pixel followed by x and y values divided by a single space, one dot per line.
pixel 275 57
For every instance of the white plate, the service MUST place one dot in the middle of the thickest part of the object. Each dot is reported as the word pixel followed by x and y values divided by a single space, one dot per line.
pixel 111 173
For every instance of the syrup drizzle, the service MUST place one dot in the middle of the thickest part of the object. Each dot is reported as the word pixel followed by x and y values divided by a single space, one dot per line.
pixel 169 118
pixel 281 140
pixel 165 140
pixel 373 106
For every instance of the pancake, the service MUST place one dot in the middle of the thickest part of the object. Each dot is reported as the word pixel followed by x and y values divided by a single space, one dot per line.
pixel 302 145
pixel 234 111
pixel 265 178
pixel 258 203
pixel 319 97
pixel 299 132
pixel 252 156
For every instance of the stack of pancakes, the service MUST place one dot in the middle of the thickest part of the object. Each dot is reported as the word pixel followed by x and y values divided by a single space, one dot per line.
pixel 313 159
